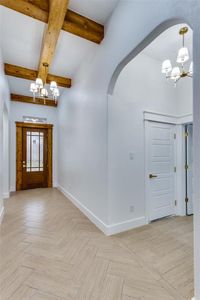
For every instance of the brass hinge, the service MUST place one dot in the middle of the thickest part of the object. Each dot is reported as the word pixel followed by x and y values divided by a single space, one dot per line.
pixel 186 167
pixel 175 202
pixel 174 135
pixel 186 134
pixel 186 200
pixel 174 169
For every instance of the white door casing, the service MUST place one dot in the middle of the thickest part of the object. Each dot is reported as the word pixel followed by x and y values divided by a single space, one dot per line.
pixel 160 162
pixel 190 168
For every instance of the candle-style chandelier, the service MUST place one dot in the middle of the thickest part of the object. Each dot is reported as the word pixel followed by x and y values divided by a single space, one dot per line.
pixel 39 89
pixel 176 73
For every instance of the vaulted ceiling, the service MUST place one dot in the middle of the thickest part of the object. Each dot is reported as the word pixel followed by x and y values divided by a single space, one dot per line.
pixel 62 34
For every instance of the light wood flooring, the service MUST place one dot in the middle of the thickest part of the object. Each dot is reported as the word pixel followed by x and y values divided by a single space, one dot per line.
pixel 50 251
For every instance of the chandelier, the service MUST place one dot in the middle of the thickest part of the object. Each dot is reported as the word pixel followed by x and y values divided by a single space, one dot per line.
pixel 39 89
pixel 176 73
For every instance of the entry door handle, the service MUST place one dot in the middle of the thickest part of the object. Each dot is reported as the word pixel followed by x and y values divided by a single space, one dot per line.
pixel 152 176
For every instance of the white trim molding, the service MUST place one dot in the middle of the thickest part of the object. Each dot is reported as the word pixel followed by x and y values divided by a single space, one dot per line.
pixel 166 118
pixel 1 214
pixel 12 189
pixel 126 225
pixel 6 195
pixel 107 229
pixel 91 216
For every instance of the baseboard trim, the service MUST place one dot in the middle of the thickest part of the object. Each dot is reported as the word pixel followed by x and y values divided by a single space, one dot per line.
pixel 92 217
pixel 107 229
pixel 1 214
pixel 126 225
pixel 6 195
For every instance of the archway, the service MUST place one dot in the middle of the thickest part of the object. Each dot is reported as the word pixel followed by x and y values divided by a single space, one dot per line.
pixel 160 29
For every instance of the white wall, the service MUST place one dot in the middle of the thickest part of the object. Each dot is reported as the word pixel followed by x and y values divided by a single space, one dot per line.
pixel 184 99
pixel 17 111
pixel 4 107
pixel 83 109
pixel 6 158
pixel 83 112
pixel 140 87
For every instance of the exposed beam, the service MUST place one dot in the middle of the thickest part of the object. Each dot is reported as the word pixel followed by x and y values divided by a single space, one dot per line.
pixel 26 8
pixel 83 27
pixel 29 74
pixel 30 100
pixel 57 12
pixel 73 23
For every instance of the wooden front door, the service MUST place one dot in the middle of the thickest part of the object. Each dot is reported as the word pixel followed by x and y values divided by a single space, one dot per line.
pixel 34 156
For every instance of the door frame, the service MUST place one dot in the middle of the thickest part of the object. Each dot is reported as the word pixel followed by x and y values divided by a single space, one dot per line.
pixel 19 151
pixel 186 168
pixel 147 187
pixel 180 122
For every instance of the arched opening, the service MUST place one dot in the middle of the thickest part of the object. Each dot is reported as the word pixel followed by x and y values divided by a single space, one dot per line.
pixel 6 179
pixel 147 123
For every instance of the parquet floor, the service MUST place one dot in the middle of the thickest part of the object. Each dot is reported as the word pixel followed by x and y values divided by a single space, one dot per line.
pixel 50 251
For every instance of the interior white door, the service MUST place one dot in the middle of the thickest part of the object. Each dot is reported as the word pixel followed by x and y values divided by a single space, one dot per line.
pixel 160 169
pixel 189 173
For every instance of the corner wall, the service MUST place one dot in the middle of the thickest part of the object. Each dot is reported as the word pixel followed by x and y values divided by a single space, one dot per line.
pixel 4 106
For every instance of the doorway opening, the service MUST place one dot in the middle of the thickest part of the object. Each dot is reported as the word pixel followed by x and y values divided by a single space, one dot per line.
pixel 34 155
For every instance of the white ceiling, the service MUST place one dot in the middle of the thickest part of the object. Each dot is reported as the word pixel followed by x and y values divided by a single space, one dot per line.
pixel 168 43
pixel 97 10
pixel 21 40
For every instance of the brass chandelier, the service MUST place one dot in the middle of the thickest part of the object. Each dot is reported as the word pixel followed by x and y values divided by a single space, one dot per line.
pixel 39 89
pixel 176 73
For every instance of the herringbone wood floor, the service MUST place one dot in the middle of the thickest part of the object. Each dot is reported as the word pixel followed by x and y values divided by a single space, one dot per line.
pixel 51 251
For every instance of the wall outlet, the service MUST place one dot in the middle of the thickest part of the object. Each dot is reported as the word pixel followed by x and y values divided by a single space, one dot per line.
pixel 132 208
pixel 131 156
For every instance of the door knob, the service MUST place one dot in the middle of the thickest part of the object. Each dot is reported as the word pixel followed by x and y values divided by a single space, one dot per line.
pixel 152 176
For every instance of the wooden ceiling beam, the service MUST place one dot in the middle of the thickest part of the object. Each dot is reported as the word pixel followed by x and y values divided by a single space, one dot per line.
pixel 57 12
pixel 30 100
pixel 73 23
pixel 20 72
pixel 27 9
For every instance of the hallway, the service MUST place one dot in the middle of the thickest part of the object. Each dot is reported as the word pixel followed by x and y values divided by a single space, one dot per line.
pixel 50 251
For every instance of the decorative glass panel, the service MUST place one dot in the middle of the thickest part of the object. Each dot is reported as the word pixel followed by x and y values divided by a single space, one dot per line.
pixel 28 159
pixel 41 152
pixel 35 151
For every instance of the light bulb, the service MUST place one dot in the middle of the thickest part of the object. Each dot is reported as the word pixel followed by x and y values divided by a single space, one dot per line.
pixel 191 68
pixel 166 66
pixel 175 74
pixel 39 82
pixel 53 85
pixel 56 93
pixel 33 87
pixel 183 55
pixel 44 93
